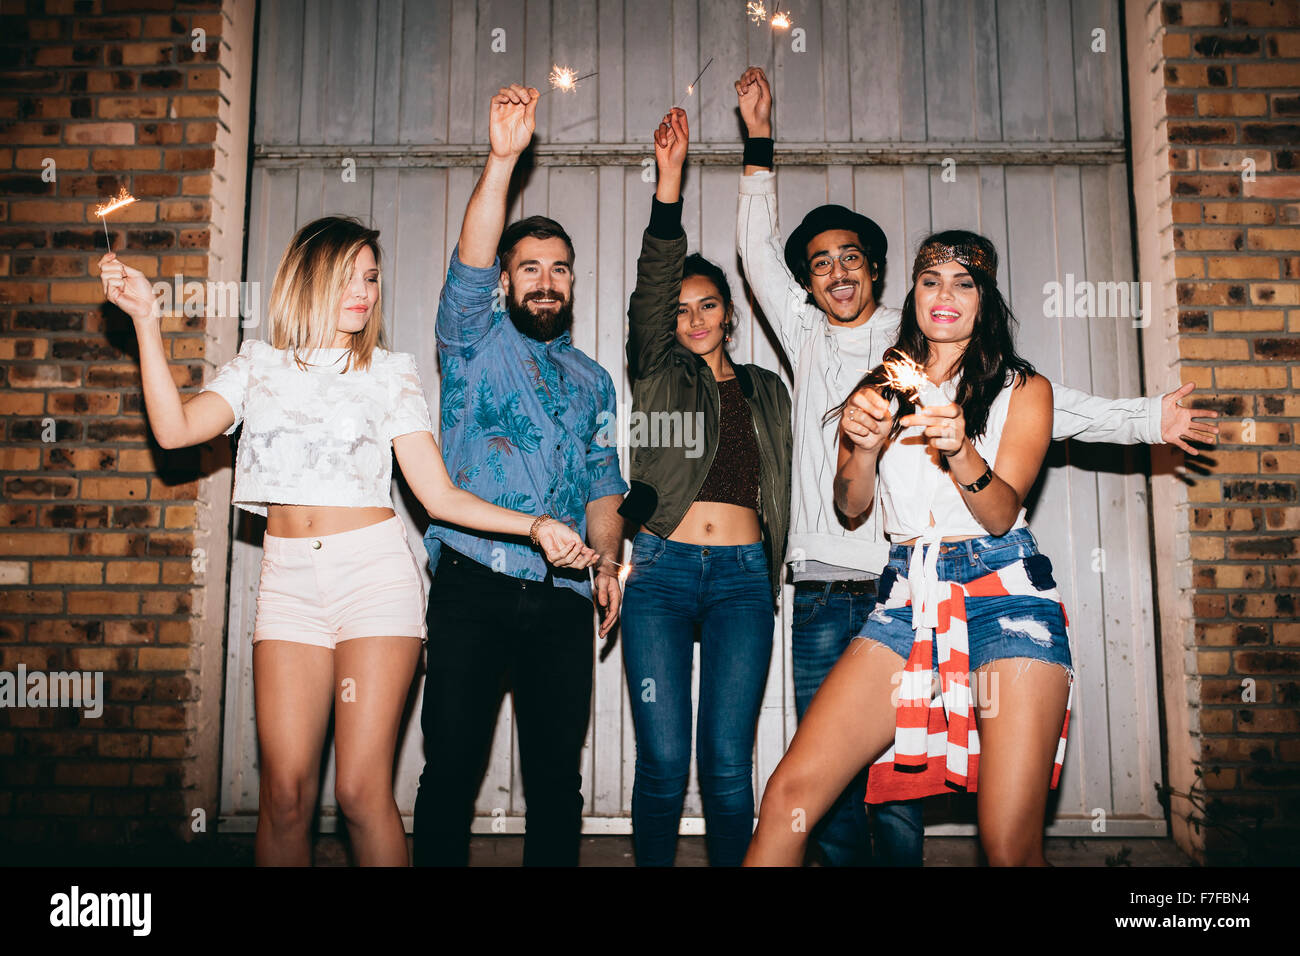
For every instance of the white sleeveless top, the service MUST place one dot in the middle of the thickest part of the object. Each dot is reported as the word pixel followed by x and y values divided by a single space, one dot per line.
pixel 318 437
pixel 912 486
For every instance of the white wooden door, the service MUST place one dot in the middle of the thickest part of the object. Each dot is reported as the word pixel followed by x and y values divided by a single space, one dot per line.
pixel 872 98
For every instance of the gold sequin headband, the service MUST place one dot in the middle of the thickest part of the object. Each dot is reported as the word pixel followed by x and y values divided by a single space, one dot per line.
pixel 971 256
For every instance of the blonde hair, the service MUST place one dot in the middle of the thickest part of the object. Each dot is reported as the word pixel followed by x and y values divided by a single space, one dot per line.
pixel 309 286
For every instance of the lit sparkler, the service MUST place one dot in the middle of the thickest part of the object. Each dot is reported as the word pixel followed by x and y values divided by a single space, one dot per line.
pixel 123 198
pixel 564 79
pixel 691 89
pixel 756 12
pixel 904 375
pixel 781 21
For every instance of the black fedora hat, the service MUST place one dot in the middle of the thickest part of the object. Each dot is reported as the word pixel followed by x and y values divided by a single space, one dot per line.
pixel 824 218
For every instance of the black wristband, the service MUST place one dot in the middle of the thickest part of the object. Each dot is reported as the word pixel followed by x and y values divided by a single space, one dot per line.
pixel 759 151
pixel 665 219
pixel 980 483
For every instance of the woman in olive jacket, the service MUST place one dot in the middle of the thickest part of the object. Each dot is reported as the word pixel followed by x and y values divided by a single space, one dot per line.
pixel 711 492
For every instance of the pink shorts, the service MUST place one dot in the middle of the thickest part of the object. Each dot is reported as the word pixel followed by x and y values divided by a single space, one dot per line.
pixel 362 583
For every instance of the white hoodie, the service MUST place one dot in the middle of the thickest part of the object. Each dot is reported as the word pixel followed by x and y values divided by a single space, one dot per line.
pixel 828 361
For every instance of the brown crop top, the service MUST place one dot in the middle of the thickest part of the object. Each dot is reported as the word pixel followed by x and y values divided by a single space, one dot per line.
pixel 733 476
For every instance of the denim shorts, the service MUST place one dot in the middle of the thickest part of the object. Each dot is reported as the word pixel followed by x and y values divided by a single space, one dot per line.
pixel 997 627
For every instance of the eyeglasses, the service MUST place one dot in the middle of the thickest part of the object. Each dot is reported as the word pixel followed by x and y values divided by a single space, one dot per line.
pixel 852 261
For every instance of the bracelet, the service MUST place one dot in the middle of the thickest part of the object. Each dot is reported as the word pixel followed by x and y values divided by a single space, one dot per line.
pixel 758 151
pixel 532 532
pixel 980 483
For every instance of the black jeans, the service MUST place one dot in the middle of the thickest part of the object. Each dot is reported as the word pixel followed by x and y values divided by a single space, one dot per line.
pixel 487 632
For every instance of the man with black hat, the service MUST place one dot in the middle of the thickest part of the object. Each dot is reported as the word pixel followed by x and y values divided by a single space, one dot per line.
pixel 821 293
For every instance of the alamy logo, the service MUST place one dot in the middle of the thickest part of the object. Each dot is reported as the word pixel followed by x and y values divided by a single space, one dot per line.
pixel 76 689
pixel 638 429
pixel 1086 300
pixel 102 909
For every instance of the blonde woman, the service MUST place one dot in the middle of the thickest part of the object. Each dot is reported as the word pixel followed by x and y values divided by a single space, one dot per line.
pixel 340 610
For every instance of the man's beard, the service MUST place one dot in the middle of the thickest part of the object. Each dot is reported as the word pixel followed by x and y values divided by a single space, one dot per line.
pixel 540 326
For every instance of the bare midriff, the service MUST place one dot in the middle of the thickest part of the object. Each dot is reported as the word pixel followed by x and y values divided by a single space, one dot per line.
pixel 712 522
pixel 310 521
pixel 952 537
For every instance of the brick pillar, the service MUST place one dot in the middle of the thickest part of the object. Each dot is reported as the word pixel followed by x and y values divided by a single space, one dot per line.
pixel 1215 127
pixel 113 551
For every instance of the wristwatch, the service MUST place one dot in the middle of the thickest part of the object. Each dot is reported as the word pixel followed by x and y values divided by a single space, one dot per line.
pixel 981 482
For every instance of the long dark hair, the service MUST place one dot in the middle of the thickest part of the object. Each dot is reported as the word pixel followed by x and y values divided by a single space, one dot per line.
pixel 990 359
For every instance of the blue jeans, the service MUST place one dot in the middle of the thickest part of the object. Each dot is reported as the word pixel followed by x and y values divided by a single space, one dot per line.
pixel 725 592
pixel 825 623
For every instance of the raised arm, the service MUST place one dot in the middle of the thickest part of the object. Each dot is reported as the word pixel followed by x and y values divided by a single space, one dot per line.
pixel 175 423
pixel 466 306
pixel 1131 421
pixel 762 253
pixel 652 309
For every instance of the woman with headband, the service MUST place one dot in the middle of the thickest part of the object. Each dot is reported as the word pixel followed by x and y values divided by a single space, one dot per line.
pixel 962 677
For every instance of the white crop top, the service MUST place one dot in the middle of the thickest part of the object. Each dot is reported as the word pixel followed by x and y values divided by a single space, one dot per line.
pixel 912 486
pixel 318 437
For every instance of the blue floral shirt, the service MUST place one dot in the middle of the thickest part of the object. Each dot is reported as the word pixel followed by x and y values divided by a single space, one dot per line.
pixel 523 425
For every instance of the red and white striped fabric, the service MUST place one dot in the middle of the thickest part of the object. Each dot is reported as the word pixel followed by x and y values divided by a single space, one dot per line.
pixel 936 745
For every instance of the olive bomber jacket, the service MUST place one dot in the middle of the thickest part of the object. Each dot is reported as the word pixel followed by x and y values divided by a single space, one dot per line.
pixel 669 378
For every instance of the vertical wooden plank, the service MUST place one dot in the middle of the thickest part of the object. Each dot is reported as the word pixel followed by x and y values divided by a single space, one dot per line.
pixel 949 67
pixel 955 204
pixel 878 194
pixel 464 104
pixel 1095 74
pixel 349 73
pixel 1061 53
pixel 280 75
pixel 875 71
pixel 723 37
pixel 801 109
pixel 836 82
pixel 912 89
pixel 686 61
pixel 609 90
pixel 426 78
pixel 987 87
pixel 572 118
pixel 1021 37
pixel 389 38
pixel 648 70
pixel 993 219
pixel 315 60
pixel 538 62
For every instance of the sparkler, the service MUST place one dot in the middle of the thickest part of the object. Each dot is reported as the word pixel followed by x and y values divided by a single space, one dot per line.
pixel 756 11
pixel 123 198
pixel 691 89
pixel 781 21
pixel 904 375
pixel 564 79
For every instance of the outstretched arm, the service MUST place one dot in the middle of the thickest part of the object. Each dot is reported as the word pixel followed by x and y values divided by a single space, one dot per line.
pixel 762 252
pixel 426 474
pixel 1131 421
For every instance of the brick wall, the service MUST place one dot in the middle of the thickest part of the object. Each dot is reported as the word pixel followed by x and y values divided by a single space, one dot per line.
pixel 1214 85
pixel 99 527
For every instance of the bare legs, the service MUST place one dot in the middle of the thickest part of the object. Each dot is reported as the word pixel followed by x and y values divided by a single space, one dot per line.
pixel 366 680
pixel 1019 728
pixel 851 722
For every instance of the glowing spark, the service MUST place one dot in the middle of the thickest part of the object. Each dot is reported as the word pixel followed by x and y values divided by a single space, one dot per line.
pixel 123 198
pixel 691 89
pixel 904 375
pixel 562 78
pixel 756 11
pixel 565 80
pixel 623 572
pixel 781 21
